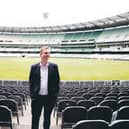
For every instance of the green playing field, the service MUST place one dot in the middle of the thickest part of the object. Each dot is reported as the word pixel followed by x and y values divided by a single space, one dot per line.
pixel 13 68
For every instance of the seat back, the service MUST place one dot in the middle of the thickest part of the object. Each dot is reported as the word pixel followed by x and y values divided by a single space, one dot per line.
pixel 96 99
pixel 100 113
pixel 11 104
pixel 5 116
pixel 86 103
pixel 123 113
pixel 62 105
pixel 73 114
pixel 111 94
pixel 65 103
pixel 123 97
pixel 123 94
pixel 110 97
pixel 91 124
pixel 87 95
pixel 111 103
pixel 77 98
pixel 123 102
pixel 19 101
pixel 3 97
pixel 119 124
pixel 100 94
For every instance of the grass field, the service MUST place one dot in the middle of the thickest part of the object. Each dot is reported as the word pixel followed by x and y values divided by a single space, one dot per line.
pixel 70 68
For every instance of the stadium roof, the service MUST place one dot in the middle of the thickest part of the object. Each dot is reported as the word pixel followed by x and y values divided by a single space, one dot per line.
pixel 114 21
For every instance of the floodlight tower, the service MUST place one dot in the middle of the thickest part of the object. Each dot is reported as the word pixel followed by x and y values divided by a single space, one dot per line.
pixel 45 16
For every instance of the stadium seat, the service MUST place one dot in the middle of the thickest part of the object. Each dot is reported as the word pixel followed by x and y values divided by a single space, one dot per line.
pixel 91 124
pixel 123 102
pixel 86 103
pixel 3 97
pixel 88 95
pixel 77 98
pixel 11 104
pixel 59 99
pixel 6 117
pixel 119 124
pixel 62 105
pixel 123 97
pixel 111 94
pixel 111 97
pixel 100 113
pixel 23 96
pixel 111 103
pixel 100 95
pixel 19 101
pixel 73 114
pixel 123 94
pixel 123 113
pixel 96 99
pixel 5 93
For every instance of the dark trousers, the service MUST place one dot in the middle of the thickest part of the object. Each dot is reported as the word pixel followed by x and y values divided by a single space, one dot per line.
pixel 37 105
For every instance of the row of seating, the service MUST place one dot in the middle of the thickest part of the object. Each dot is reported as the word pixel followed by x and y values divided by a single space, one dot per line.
pixel 71 91
pixel 95 101
pixel 100 124
pixel 73 114
pixel 90 96
pixel 13 101
pixel 17 102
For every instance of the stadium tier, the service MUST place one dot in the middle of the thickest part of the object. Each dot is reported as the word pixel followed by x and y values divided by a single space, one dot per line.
pixel 105 36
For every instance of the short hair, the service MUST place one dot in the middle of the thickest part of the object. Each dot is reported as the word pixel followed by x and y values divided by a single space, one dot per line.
pixel 44 47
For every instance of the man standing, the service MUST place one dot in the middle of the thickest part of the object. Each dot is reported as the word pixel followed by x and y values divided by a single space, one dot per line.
pixel 44 82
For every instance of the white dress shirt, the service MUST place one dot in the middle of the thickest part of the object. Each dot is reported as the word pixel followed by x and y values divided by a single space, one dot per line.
pixel 43 79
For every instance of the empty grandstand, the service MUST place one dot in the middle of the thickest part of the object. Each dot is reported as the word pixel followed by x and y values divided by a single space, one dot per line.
pixel 108 37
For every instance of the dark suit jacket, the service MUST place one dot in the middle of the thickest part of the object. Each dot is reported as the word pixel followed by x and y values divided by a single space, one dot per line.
pixel 53 80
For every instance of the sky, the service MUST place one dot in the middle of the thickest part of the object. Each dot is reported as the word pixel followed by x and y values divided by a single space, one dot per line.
pixel 36 13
